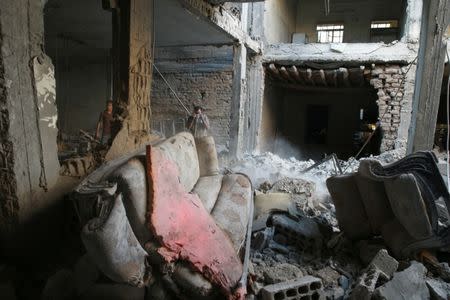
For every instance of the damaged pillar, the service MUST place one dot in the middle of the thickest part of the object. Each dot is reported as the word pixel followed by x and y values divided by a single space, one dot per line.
pixel 238 100
pixel 436 18
pixel 239 91
pixel 253 107
pixel 133 58
pixel 28 151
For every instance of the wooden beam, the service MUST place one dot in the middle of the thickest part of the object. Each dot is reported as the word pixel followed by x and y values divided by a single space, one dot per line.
pixel 331 77
pixel 356 76
pixel 275 72
pixel 343 77
pixel 284 73
pixel 309 78
pixel 430 69
pixel 295 74
pixel 318 77
pixel 319 89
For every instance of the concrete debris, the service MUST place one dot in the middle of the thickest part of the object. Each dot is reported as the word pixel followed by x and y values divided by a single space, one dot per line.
pixel 380 270
pixel 385 263
pixel 282 272
pixel 270 168
pixel 409 284
pixel 308 287
pixel 439 290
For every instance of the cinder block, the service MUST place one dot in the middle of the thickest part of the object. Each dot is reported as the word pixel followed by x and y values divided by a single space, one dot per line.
pixel 305 288
pixel 382 267
pixel 366 284
pixel 385 263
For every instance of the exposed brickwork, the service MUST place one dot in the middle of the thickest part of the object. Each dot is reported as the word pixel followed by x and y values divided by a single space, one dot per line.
pixel 388 80
pixel 9 203
pixel 211 90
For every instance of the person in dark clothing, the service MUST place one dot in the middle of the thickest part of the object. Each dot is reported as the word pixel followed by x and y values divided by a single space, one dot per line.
pixel 104 124
pixel 198 123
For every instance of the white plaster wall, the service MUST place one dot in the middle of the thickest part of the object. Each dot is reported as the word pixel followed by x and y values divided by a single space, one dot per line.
pixel 279 20
pixel 355 14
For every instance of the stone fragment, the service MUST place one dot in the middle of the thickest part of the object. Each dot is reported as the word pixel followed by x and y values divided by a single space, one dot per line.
pixel 281 273
pixel 385 263
pixel 329 276
pixel 408 285
pixel 439 290
pixel 366 284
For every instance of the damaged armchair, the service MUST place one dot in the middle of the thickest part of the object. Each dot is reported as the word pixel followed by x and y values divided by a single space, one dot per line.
pixel 166 220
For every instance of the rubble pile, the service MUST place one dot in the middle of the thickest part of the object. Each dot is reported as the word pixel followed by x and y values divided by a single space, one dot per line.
pixel 299 252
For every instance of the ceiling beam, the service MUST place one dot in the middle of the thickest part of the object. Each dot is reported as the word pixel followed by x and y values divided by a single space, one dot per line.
pixel 224 20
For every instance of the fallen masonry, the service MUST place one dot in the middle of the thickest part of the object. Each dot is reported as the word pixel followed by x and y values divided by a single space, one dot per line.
pixel 273 231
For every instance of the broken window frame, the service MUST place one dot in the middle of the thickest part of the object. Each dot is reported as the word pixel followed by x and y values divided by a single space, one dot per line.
pixel 330 32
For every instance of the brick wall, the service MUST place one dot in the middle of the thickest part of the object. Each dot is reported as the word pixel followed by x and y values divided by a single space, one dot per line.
pixel 389 81
pixel 210 90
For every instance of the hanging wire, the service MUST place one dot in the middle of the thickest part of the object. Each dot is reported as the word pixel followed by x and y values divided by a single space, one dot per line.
pixel 382 116
pixel 157 70
pixel 170 87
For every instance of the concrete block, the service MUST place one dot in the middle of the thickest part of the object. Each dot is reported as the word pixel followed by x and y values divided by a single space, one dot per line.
pixel 409 284
pixel 366 284
pixel 305 233
pixel 385 263
pixel 307 287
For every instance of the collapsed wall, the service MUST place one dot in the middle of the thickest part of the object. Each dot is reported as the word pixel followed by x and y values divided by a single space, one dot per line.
pixel 394 91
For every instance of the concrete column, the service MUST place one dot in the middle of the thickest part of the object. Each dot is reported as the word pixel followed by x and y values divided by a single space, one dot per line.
pixel 238 100
pixel 133 44
pixel 413 20
pixel 28 152
pixel 429 75
pixel 253 108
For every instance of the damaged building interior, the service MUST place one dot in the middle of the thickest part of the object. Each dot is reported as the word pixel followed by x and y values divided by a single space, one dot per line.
pixel 214 149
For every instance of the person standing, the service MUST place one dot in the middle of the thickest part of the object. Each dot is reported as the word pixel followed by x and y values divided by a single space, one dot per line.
pixel 103 132
pixel 198 123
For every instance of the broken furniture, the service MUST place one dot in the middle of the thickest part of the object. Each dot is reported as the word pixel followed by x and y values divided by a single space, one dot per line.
pixel 165 216
pixel 406 202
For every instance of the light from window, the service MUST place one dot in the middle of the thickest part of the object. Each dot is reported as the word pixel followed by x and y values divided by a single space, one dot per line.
pixel 384 24
pixel 330 33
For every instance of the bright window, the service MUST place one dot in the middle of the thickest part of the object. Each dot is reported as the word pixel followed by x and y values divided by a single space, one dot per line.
pixel 384 24
pixel 330 33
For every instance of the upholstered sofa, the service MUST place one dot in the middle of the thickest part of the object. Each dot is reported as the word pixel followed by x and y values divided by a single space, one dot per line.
pixel 164 218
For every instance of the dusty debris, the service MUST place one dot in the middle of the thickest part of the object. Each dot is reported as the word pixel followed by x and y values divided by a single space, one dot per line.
pixel 439 290
pixel 409 284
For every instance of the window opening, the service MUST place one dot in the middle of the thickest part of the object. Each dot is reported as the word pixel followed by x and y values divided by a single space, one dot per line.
pixel 330 33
